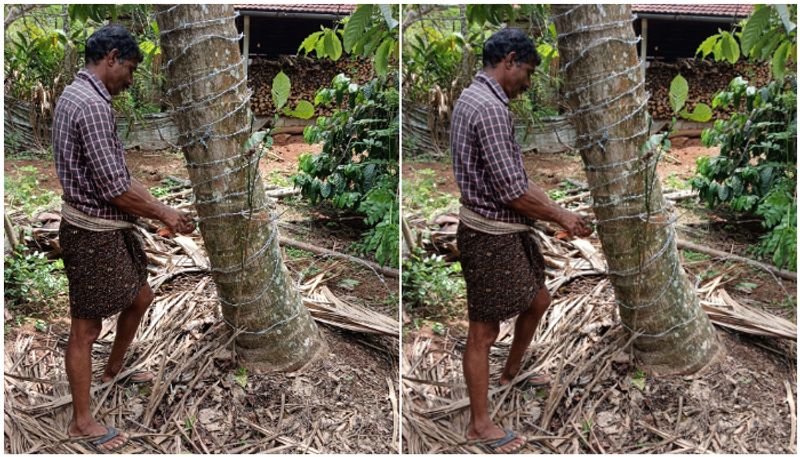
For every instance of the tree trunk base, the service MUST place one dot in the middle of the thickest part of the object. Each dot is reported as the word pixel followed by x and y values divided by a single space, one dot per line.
pixel 253 359
pixel 716 354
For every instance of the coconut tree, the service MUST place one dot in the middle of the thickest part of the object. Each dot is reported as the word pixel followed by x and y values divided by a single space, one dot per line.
pixel 206 88
pixel 604 89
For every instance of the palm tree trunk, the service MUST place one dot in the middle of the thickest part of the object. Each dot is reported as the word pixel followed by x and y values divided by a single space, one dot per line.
pixel 211 108
pixel 605 93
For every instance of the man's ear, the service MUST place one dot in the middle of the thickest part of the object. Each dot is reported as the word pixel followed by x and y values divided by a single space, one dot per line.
pixel 510 59
pixel 113 56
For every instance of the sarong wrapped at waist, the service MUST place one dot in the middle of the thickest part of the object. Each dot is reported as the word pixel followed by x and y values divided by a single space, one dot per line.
pixel 503 272
pixel 105 269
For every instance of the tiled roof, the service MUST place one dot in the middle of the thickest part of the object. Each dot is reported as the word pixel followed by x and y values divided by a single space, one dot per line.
pixel 301 8
pixel 740 10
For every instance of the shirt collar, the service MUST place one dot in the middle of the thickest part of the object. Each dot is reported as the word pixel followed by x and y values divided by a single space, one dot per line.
pixel 492 83
pixel 92 79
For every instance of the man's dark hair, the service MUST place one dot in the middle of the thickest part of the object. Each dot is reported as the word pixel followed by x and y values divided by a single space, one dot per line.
pixel 503 42
pixel 109 37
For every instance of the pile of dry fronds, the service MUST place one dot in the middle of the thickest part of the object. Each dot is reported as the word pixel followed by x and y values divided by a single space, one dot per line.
pixel 344 402
pixel 600 401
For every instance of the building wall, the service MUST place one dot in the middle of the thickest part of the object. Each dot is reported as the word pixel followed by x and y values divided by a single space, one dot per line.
pixel 669 40
pixel 274 36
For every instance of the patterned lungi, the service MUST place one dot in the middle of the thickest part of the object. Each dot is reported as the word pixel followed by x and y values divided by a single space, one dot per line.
pixel 105 270
pixel 503 273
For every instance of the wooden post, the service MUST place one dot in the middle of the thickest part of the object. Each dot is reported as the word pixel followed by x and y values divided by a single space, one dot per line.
pixel 246 45
pixel 644 44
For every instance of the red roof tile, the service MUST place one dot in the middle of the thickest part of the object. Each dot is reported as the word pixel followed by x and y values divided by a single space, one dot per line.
pixel 301 8
pixel 736 10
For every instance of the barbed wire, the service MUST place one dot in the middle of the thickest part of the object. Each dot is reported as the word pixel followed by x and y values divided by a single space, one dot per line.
pixel 203 135
pixel 645 162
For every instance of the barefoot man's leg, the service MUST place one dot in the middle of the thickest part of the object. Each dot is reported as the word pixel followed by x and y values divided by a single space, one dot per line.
pixel 127 324
pixel 480 338
pixel 524 328
pixel 83 333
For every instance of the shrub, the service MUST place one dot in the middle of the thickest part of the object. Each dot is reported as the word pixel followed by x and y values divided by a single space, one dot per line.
pixel 755 172
pixel 357 169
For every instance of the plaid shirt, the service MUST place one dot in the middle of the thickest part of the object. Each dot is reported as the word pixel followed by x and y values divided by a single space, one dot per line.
pixel 89 156
pixel 486 158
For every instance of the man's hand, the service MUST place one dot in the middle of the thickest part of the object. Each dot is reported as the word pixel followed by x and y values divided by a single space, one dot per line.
pixel 574 224
pixel 178 221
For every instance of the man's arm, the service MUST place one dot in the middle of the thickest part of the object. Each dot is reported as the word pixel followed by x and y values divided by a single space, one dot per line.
pixel 138 200
pixel 537 205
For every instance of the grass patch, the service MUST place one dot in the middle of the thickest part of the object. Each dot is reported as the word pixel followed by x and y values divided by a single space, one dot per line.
pixel 24 191
pixel 673 181
pixel 421 194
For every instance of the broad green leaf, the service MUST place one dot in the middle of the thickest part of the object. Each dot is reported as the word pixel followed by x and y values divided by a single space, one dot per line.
pixel 718 55
pixel 756 26
pixel 707 45
pixel 333 46
pixel 678 93
pixel 357 25
pixel 701 113
pixel 779 60
pixel 281 87
pixel 786 18
pixel 382 56
pixel 309 44
pixel 730 48
pixel 386 10
pixel 303 110
pixel 255 138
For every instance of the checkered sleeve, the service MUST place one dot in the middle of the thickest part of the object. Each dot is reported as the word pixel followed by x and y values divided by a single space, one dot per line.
pixel 495 136
pixel 104 154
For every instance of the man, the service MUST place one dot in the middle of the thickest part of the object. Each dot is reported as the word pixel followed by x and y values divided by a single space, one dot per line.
pixel 103 256
pixel 502 265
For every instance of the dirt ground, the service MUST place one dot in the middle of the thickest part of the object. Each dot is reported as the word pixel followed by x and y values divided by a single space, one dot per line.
pixel 742 403
pixel 342 400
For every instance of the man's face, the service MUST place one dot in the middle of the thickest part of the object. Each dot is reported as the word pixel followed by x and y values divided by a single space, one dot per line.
pixel 519 78
pixel 518 75
pixel 120 73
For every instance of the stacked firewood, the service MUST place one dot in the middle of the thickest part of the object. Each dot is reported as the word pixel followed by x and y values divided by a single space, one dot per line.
pixel 307 76
pixel 706 78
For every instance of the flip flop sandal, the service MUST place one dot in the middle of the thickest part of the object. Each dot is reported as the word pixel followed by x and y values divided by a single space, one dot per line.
pixel 96 442
pixel 131 379
pixel 492 446
pixel 537 380
pixel 111 433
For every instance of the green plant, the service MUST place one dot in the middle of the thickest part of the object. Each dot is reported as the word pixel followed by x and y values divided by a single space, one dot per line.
pixel 33 284
pixel 25 192
pixel 432 284
pixel 422 195
pixel 371 31
pixel 673 181
pixel 755 172
pixel 770 33
pixel 357 169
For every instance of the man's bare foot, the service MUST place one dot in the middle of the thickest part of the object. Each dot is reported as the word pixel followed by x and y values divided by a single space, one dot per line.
pixel 137 377
pixel 492 436
pixel 92 430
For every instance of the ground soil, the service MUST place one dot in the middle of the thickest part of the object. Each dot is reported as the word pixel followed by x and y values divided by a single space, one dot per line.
pixel 351 375
pixel 737 404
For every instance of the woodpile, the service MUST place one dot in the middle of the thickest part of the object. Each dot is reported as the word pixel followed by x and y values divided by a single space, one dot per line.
pixel 307 76
pixel 705 78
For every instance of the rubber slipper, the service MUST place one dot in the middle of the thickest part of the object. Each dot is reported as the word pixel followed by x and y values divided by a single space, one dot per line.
pixel 96 442
pixel 131 379
pixel 493 445
pixel 537 380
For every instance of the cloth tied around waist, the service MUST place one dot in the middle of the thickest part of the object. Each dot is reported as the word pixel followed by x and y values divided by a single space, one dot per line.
pixel 82 220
